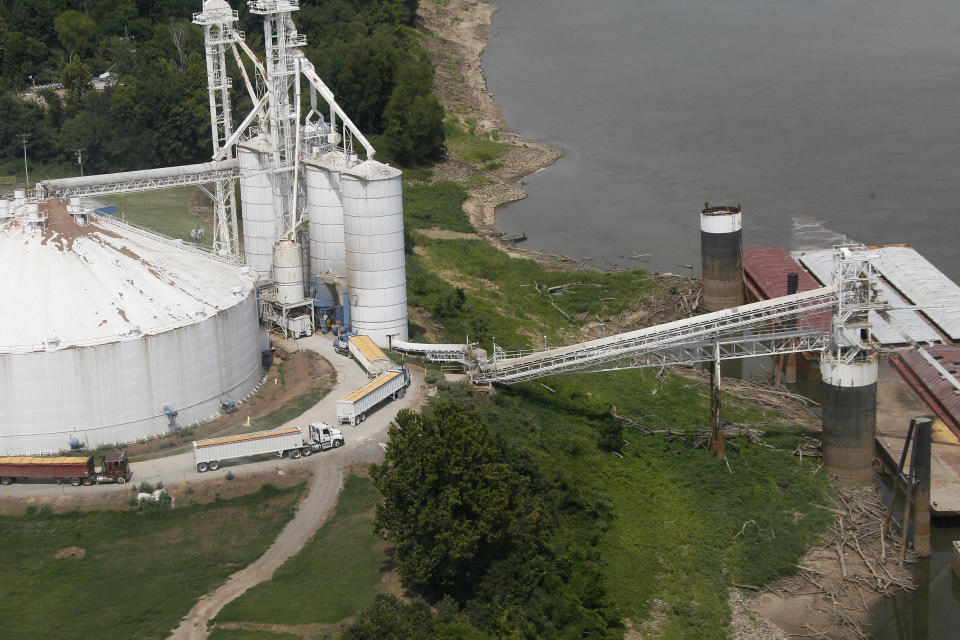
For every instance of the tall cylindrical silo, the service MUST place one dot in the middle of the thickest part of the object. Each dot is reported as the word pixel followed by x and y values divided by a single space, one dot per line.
pixel 373 241
pixel 288 272
pixel 256 202
pixel 721 247
pixel 325 212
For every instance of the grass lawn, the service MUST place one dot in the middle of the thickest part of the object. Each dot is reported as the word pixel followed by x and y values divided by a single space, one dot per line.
pixel 676 510
pixel 331 578
pixel 500 297
pixel 142 571
pixel 164 211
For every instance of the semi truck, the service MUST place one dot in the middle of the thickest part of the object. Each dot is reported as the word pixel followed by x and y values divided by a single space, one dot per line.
pixel 284 442
pixel 353 408
pixel 362 349
pixel 76 470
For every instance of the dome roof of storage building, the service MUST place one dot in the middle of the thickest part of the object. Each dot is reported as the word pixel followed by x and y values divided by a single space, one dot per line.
pixel 66 285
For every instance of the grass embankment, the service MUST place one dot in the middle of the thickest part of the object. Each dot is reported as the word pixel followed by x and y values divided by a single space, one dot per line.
pixel 332 577
pixel 141 572
pixel 676 511
pixel 473 289
pixel 165 211
pixel 249 634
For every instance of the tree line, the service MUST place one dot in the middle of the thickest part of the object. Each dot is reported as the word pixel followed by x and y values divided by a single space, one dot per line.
pixel 157 113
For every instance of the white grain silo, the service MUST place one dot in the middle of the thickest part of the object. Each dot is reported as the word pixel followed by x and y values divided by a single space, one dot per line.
pixel 288 272
pixel 257 207
pixel 108 325
pixel 325 212
pixel 373 241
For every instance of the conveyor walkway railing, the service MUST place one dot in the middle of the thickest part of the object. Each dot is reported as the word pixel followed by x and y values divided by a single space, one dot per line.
pixel 760 328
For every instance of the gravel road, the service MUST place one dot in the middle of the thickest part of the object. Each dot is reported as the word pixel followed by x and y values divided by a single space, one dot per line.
pixel 363 445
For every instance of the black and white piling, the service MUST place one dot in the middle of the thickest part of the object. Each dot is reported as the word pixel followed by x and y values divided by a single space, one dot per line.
pixel 849 418
pixel 721 250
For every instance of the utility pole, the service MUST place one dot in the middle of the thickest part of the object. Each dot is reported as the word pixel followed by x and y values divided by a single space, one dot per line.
pixel 23 138
pixel 80 159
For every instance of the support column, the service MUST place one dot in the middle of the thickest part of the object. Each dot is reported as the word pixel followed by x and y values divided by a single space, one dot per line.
pixel 849 418
pixel 721 251
pixel 717 444
pixel 920 472
pixel 790 374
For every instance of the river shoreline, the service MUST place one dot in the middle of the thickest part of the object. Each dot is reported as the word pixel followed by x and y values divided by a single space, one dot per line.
pixel 456 37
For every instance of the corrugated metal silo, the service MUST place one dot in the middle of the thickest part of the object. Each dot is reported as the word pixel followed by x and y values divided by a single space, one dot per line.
pixel 256 202
pixel 325 211
pixel 288 272
pixel 373 241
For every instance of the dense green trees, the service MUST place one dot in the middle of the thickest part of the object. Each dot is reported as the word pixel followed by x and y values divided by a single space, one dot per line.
pixel 477 525
pixel 157 114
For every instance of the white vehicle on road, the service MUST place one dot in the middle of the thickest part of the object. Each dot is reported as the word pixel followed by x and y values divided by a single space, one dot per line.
pixel 286 441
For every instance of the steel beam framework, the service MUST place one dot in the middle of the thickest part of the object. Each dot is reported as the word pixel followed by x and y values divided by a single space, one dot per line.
pixel 137 183
pixel 762 321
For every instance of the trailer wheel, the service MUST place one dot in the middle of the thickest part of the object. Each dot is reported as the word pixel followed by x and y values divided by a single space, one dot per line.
pixel 203 466
pixel 363 416
pixel 306 451
pixel 294 453
pixel 402 392
pixel 87 481
pixel 75 482
pixel 214 465
pixel 5 480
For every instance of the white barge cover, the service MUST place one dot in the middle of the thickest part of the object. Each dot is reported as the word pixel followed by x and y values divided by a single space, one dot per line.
pixel 924 285
pixel 907 325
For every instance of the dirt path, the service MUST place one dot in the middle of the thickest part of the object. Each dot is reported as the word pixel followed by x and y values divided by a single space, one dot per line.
pixel 363 446
pixel 321 498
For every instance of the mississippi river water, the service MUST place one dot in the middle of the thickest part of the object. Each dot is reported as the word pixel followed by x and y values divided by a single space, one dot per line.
pixel 824 119
pixel 828 121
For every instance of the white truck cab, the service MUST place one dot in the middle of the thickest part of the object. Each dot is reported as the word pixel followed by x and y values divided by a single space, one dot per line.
pixel 323 436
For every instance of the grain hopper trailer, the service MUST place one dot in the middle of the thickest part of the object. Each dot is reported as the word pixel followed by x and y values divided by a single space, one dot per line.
pixel 362 349
pixel 76 470
pixel 284 442
pixel 353 408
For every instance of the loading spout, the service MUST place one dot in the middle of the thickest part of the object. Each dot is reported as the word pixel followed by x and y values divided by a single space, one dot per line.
pixel 310 72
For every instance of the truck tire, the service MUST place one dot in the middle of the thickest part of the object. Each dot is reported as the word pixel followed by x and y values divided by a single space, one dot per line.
pixel 214 465
pixel 5 480
pixel 88 481
pixel 121 480
pixel 337 443
pixel 294 454
pixel 402 392
pixel 75 482
pixel 363 416
pixel 202 467
pixel 306 451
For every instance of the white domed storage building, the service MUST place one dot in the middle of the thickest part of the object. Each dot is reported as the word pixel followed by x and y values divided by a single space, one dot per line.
pixel 105 325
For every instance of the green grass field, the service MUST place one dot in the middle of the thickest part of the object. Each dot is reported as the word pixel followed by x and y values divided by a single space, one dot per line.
pixel 676 509
pixel 164 211
pixel 142 571
pixel 331 578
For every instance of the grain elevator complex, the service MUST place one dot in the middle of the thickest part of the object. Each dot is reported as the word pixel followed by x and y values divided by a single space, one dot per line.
pixel 132 334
